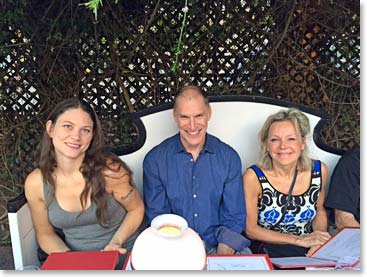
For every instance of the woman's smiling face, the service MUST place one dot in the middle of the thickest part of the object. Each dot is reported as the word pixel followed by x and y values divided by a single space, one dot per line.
pixel 285 143
pixel 72 133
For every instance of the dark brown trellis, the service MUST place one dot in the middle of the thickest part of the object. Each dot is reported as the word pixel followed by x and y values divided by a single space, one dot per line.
pixel 304 51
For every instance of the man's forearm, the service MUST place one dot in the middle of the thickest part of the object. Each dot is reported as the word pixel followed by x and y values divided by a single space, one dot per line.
pixel 345 219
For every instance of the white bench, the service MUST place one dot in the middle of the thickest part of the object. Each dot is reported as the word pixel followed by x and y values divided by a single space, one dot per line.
pixel 236 120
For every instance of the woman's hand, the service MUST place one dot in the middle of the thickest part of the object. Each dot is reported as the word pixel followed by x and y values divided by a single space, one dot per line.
pixel 112 246
pixel 312 250
pixel 315 239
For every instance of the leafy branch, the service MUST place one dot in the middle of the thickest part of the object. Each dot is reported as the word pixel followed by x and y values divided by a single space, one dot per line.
pixel 93 5
pixel 180 43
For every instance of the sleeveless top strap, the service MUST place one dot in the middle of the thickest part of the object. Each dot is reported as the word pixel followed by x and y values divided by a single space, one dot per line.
pixel 316 167
pixel 260 175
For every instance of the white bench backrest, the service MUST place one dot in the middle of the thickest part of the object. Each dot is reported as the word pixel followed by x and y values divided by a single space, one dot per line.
pixel 234 122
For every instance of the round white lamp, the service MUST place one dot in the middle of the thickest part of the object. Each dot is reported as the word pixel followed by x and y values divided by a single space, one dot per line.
pixel 168 244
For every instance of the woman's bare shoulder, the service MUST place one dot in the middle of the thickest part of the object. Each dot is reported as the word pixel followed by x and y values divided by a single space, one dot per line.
pixel 324 166
pixel 34 177
pixel 250 179
pixel 116 177
pixel 33 184
pixel 114 169
pixel 249 174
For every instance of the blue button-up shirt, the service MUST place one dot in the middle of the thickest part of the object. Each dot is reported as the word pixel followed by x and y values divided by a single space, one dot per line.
pixel 207 192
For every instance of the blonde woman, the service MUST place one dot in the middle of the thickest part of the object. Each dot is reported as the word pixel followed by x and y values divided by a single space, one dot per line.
pixel 285 190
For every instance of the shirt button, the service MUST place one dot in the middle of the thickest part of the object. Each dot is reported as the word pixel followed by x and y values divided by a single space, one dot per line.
pixel 196 215
pixel 193 177
pixel 191 160
pixel 194 195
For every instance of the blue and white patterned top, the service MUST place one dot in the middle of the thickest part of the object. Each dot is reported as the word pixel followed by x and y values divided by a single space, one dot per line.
pixel 301 209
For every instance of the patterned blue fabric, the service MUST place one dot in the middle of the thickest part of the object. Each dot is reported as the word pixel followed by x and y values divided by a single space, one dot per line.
pixel 301 209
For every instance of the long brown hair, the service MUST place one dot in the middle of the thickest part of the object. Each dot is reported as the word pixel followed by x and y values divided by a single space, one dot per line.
pixel 96 159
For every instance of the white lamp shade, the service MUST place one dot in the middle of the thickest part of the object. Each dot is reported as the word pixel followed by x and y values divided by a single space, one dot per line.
pixel 153 250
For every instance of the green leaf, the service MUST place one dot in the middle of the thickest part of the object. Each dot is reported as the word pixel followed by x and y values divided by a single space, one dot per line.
pixel 93 6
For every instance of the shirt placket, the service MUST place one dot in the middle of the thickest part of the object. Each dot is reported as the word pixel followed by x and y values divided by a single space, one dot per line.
pixel 195 204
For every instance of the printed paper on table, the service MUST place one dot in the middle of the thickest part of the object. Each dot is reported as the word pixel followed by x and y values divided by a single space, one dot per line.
pixel 345 245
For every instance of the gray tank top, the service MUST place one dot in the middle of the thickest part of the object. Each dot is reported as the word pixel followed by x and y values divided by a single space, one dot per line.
pixel 82 231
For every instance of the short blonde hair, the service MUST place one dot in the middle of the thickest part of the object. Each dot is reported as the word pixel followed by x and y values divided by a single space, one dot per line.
pixel 300 122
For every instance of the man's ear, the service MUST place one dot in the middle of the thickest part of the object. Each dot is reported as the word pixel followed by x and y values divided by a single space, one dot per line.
pixel 49 128
pixel 209 112
pixel 175 115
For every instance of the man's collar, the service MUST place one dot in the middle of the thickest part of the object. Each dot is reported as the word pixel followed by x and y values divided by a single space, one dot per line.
pixel 208 146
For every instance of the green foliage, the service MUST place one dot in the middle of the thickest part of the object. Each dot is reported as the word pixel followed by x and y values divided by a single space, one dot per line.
pixel 180 39
pixel 93 5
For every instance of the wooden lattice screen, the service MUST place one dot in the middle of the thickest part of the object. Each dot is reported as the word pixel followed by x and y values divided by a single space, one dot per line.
pixel 304 51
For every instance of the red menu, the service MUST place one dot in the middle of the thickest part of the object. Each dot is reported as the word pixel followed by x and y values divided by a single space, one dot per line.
pixel 90 260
